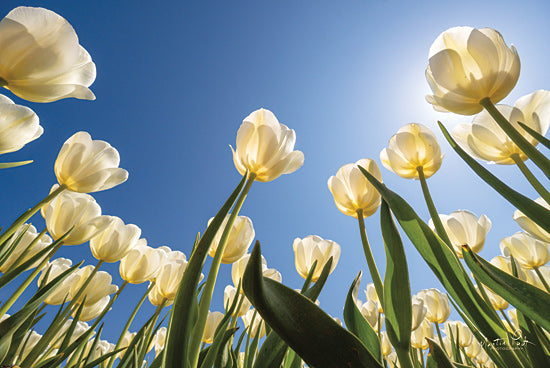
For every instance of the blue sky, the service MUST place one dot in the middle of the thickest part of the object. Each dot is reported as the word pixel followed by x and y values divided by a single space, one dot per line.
pixel 175 79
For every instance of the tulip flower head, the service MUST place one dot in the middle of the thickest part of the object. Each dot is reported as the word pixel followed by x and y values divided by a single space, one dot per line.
pixel 484 138
pixel 527 251
pixel 419 311
pixel 98 287
pixel 529 226
pixel 85 165
pixel 414 146
pixel 169 277
pixel 505 264
pixel 19 125
pixel 385 344
pixel 370 312
pixel 437 304
pixel 496 300
pixel 239 240
pixel 418 336
pixel 265 147
pixel 352 191
pixel 92 311
pixel 159 340
pixel 465 228
pixel 28 234
pixel 77 211
pixel 229 294
pixel 254 324
pixel 238 268
pixel 142 263
pixel 62 292
pixel 212 321
pixel 156 299
pixel 41 59
pixel 313 248
pixel 115 241
pixel 467 65
pixel 460 329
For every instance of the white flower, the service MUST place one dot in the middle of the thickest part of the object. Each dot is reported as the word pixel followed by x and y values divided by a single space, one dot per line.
pixel 19 125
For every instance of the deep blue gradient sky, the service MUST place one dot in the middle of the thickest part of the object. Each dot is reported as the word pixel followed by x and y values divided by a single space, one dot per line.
pixel 175 79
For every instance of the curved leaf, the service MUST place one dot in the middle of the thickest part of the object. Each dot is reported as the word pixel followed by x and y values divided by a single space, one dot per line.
pixel 309 331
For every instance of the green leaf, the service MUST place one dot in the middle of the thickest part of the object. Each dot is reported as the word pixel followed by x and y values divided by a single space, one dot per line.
pixel 539 137
pixel 437 357
pixel 529 299
pixel 397 290
pixel 358 325
pixel 181 319
pixel 530 342
pixel 220 341
pixel 531 209
pixel 443 262
pixel 7 165
pixel 309 331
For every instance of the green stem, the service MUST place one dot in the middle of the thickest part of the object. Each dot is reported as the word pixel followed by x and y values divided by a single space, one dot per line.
pixel 17 293
pixel 531 178
pixel 507 320
pixel 28 214
pixel 541 277
pixel 535 155
pixel 206 296
pixel 370 259
pixel 439 228
pixel 129 322
pixel 439 335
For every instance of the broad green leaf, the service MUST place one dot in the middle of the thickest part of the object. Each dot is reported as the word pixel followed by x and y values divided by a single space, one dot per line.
pixel 530 342
pixel 443 262
pixel 181 319
pixel 219 343
pixel 358 325
pixel 529 299
pixel 397 290
pixel 531 209
pixel 437 357
pixel 309 331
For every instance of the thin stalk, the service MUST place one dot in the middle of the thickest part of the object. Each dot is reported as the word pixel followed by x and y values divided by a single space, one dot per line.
pixel 535 155
pixel 535 183
pixel 29 213
pixel 17 293
pixel 439 335
pixel 507 320
pixel 206 296
pixel 541 277
pixel 370 259
pixel 440 230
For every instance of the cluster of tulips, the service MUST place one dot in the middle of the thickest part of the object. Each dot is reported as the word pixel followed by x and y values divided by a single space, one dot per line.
pixel 469 71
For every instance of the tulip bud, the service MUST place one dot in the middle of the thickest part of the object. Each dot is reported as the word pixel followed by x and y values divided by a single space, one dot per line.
pixel 528 251
pixel 169 277
pixel 254 324
pixel 413 146
pixel 352 191
pixel 85 165
pixel 142 263
pixel 229 294
pixel 530 226
pixel 29 235
pixel 465 228
pixel 437 304
pixel 212 321
pixel 240 237
pixel 19 125
pixel 115 241
pixel 419 311
pixel 52 66
pixel 159 340
pixel 98 287
pixel 467 65
pixel 62 291
pixel 157 299
pixel 484 138
pixel 313 248
pixel 265 147
pixel 418 336
pixel 76 211
pixel 460 329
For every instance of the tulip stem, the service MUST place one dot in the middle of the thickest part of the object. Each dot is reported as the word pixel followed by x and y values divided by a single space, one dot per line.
pixel 129 322
pixel 507 320
pixel 206 296
pixel 440 230
pixel 531 178
pixel 17 293
pixel 370 259
pixel 541 277
pixel 28 214
pixel 439 335
pixel 538 158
